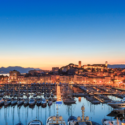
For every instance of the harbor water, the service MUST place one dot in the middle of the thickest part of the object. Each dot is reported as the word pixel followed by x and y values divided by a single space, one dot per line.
pixel 12 115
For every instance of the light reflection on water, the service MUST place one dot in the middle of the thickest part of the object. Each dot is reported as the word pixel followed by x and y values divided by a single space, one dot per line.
pixel 13 115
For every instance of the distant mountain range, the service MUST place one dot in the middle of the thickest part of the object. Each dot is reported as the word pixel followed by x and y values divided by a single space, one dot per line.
pixel 4 70
pixel 116 66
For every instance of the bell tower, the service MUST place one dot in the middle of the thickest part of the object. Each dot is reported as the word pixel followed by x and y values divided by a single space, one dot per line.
pixel 106 63
pixel 79 64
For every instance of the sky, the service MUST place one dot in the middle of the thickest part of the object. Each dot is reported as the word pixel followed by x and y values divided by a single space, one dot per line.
pixel 48 33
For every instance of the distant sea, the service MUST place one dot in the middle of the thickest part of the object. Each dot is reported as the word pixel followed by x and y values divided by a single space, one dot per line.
pixel 116 66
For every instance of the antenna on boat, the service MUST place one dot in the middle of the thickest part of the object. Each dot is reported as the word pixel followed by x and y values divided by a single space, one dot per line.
pixel 83 110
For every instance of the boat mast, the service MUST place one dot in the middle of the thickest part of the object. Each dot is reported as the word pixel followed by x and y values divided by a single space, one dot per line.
pixel 13 90
pixel 19 91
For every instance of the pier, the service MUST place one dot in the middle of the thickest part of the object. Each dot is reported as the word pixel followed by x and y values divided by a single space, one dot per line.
pixel 63 92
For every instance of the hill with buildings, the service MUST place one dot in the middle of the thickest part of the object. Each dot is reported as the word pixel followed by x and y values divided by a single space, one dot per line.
pixel 26 70
pixel 18 68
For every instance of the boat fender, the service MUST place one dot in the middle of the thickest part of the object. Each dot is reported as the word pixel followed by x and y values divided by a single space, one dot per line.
pixel 79 118
pixel 87 118
pixel 54 118
pixel 60 118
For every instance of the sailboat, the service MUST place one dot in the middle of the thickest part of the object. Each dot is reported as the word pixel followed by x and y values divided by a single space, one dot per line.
pixel 1 101
pixel 13 101
pixel 50 102
pixel 36 122
pixel 55 120
pixel 38 102
pixel 32 102
pixel 7 102
pixel 43 103
pixel 19 118
pixel 20 101
pixel 58 120
pixel 26 101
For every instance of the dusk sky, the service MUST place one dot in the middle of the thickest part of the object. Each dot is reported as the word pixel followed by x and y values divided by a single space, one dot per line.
pixel 47 33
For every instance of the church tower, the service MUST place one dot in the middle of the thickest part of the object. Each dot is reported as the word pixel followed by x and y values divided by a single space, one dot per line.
pixel 79 64
pixel 106 64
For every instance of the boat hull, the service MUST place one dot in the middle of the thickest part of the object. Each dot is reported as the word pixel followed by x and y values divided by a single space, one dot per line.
pixel 118 105
pixel 1 103
pixel 20 103
pixel 13 102
pixel 7 103
pixel 37 122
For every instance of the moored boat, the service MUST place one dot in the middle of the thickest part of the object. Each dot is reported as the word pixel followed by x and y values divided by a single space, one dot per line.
pixel 20 102
pixel 43 103
pixel 111 122
pixel 55 120
pixel 7 102
pixel 35 122
pixel 13 102
pixel 117 104
pixel 1 101
pixel 34 95
pixel 50 103
pixel 38 102
pixel 81 121
pixel 26 102
pixel 19 124
pixel 69 101
pixel 32 102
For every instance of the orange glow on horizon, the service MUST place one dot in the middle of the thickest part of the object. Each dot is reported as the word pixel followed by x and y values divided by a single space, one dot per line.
pixel 46 63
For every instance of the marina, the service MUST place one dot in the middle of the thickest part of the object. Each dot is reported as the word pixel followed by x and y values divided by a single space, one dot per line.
pixel 62 62
pixel 25 103
pixel 12 115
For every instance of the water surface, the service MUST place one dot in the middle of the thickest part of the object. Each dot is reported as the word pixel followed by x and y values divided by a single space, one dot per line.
pixel 13 115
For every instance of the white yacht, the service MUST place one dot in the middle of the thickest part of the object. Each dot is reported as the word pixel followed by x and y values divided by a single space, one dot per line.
pixel 1 101
pixel 117 104
pixel 55 120
pixel 35 122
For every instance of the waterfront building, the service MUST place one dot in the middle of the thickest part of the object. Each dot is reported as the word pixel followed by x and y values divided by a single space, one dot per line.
pixel 72 73
pixel 55 70
pixel 3 79
pixel 13 76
